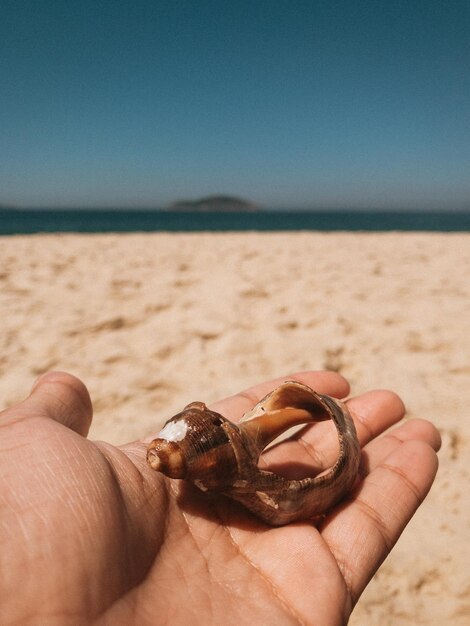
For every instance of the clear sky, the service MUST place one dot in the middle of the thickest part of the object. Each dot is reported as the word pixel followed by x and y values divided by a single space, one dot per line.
pixel 288 103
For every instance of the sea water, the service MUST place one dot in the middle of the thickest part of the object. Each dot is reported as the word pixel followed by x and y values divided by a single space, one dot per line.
pixel 100 221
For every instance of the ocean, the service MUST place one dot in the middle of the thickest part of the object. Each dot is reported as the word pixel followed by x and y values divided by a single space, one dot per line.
pixel 23 221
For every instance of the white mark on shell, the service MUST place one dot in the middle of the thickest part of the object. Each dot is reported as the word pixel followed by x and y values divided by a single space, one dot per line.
pixel 267 499
pixel 200 485
pixel 174 431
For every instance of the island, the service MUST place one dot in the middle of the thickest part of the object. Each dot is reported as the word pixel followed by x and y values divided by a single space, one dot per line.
pixel 214 203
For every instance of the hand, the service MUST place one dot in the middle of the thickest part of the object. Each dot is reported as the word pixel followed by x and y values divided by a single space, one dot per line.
pixel 89 533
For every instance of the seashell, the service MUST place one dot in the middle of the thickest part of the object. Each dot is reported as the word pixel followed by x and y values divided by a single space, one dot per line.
pixel 219 456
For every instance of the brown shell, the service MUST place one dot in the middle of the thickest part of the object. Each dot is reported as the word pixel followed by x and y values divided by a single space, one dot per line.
pixel 219 456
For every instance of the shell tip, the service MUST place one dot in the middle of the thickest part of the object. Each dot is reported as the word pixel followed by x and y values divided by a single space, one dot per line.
pixel 154 460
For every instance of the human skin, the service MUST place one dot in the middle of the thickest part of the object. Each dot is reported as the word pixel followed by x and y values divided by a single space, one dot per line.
pixel 90 534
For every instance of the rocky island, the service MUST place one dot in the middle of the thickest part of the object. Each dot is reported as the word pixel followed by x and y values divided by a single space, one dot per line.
pixel 214 203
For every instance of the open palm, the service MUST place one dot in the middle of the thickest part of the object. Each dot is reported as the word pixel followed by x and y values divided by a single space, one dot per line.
pixel 89 533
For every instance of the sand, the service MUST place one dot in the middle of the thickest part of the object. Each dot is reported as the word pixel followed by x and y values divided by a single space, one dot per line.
pixel 153 321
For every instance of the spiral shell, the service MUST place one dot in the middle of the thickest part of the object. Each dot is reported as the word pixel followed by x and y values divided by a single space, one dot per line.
pixel 217 455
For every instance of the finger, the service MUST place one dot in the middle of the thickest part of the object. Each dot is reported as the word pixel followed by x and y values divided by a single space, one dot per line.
pixel 361 532
pixel 58 396
pixel 378 449
pixel 317 447
pixel 375 411
pixel 235 406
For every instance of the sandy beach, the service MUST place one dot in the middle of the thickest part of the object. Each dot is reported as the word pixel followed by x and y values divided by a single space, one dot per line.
pixel 151 322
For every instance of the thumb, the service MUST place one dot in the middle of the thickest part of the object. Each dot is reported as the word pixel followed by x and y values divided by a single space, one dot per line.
pixel 61 397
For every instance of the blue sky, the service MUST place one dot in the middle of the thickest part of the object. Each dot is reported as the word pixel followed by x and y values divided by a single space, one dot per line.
pixel 320 104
